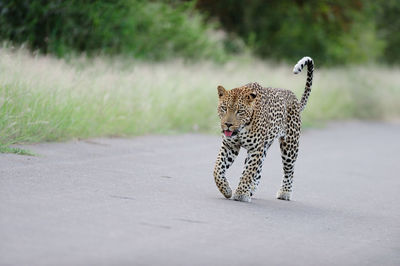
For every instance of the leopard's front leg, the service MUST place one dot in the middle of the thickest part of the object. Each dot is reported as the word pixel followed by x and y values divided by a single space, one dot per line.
pixel 249 180
pixel 226 157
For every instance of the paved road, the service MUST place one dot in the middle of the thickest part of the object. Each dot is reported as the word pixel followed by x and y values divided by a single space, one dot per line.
pixel 152 201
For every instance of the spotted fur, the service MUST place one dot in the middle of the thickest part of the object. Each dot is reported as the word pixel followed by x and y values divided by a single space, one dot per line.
pixel 252 117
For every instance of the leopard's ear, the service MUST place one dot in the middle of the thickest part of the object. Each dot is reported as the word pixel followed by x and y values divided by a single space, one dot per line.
pixel 221 91
pixel 251 96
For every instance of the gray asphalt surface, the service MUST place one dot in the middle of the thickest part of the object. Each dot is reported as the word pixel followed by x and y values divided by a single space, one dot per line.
pixel 152 201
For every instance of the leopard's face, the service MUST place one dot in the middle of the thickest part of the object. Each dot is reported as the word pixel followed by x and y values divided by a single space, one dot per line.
pixel 235 109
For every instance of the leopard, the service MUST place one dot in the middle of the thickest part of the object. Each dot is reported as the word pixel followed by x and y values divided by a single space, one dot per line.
pixel 252 117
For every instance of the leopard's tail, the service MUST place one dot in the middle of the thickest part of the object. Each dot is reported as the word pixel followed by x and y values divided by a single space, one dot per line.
pixel 310 69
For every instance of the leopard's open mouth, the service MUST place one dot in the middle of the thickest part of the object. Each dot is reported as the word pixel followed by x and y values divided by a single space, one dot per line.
pixel 229 133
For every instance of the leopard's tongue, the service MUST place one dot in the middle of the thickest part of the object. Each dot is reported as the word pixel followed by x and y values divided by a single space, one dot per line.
pixel 228 133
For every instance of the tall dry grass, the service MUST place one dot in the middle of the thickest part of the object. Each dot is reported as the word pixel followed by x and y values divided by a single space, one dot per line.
pixel 47 99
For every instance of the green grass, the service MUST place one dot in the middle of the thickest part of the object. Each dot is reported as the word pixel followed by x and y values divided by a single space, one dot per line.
pixel 47 99
pixel 15 150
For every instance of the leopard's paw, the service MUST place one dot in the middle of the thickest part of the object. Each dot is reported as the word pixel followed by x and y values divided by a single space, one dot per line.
pixel 283 195
pixel 242 197
pixel 227 192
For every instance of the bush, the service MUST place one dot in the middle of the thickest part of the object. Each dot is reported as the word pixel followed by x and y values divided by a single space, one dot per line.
pixel 143 29
pixel 332 32
pixel 388 21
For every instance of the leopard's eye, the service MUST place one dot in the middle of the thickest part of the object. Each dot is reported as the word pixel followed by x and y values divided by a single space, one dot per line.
pixel 223 108
pixel 240 112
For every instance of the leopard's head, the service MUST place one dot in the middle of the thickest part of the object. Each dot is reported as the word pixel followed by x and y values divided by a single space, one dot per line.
pixel 235 108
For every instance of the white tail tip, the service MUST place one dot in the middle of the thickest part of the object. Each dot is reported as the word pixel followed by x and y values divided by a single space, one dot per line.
pixel 302 62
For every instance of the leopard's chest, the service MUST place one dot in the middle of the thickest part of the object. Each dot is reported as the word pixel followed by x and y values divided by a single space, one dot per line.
pixel 249 139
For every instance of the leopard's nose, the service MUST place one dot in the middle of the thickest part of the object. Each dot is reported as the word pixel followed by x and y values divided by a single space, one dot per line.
pixel 228 125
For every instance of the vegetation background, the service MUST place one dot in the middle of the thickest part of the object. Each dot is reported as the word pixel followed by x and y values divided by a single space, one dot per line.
pixel 77 69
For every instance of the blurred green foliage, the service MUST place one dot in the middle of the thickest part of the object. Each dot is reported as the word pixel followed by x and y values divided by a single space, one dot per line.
pixel 388 21
pixel 144 29
pixel 332 32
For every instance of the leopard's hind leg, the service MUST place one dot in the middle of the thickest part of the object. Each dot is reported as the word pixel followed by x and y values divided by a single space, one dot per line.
pixel 289 145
